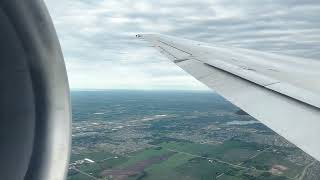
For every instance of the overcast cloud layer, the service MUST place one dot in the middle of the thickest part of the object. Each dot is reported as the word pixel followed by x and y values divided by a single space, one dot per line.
pixel 101 52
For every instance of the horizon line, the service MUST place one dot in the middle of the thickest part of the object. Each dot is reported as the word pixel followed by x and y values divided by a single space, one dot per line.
pixel 89 89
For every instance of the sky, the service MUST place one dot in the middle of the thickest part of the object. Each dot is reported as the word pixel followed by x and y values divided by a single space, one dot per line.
pixel 101 52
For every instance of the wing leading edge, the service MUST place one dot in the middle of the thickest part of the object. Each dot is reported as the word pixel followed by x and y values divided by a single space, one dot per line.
pixel 282 92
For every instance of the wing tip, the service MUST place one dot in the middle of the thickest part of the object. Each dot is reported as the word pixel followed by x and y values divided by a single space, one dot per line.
pixel 146 35
pixel 139 36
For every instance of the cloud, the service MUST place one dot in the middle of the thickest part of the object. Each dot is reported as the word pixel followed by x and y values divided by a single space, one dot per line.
pixel 97 36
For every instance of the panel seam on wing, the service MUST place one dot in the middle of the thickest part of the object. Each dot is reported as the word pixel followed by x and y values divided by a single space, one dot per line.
pixel 175 47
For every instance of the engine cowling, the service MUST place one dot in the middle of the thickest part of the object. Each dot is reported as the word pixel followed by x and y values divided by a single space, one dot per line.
pixel 35 113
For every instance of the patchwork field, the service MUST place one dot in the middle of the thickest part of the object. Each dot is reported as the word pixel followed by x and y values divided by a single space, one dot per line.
pixel 125 135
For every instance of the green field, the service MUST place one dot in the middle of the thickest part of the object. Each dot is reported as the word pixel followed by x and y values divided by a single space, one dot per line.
pixel 266 160
pixel 167 169
pixel 78 177
pixel 230 151
pixel 143 155
pixel 191 161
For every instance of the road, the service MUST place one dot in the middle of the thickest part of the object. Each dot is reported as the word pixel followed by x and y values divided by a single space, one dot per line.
pixel 305 170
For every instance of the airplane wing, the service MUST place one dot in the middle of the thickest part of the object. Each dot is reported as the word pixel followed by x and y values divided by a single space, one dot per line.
pixel 282 92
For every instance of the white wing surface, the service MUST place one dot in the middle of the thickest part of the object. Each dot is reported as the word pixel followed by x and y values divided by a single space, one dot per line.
pixel 282 92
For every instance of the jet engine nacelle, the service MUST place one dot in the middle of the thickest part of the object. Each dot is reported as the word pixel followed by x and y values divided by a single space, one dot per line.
pixel 35 114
